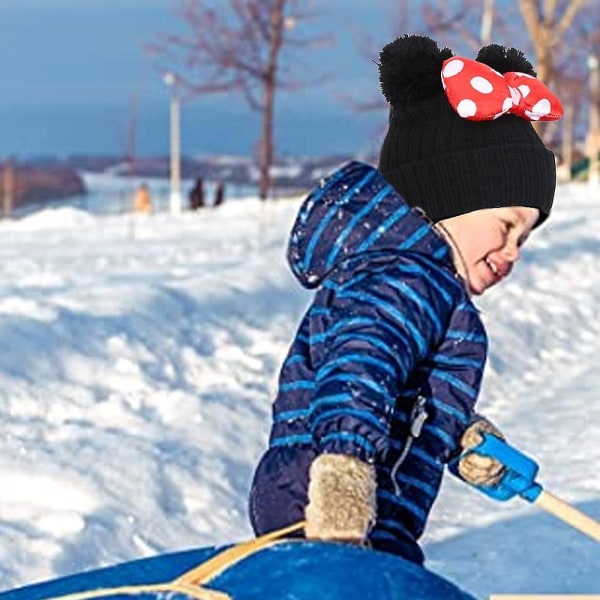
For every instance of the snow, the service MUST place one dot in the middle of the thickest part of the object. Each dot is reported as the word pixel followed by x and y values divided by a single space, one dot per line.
pixel 140 354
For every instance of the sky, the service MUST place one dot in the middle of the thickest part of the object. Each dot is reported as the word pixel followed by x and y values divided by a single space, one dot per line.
pixel 139 357
pixel 74 73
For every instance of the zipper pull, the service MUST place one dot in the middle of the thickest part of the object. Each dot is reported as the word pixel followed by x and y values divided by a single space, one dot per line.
pixel 418 417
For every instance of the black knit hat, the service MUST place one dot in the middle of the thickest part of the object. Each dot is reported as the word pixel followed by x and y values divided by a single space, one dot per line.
pixel 448 165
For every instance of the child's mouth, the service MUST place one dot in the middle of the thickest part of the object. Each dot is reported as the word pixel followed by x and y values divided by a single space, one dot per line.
pixel 493 268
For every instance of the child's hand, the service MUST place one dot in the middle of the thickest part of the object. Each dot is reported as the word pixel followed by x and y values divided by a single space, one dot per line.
pixel 341 499
pixel 474 468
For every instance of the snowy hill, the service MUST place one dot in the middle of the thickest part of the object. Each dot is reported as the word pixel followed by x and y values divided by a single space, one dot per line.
pixel 139 356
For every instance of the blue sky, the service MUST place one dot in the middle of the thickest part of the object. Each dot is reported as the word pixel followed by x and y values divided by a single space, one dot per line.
pixel 72 70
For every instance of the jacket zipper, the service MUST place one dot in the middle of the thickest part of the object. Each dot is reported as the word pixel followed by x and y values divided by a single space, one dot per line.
pixel 418 416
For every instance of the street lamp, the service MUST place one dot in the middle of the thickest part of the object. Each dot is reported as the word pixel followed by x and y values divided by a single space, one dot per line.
pixel 594 124
pixel 175 201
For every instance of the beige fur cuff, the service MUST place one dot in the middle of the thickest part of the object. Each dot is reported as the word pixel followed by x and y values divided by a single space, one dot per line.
pixel 342 498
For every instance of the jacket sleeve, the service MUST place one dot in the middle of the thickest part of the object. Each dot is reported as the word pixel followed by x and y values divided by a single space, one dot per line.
pixel 455 377
pixel 375 329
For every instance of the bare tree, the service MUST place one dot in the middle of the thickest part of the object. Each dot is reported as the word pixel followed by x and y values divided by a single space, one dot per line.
pixel 468 23
pixel 555 33
pixel 238 48
pixel 562 34
pixel 464 25
pixel 127 134
pixel 547 22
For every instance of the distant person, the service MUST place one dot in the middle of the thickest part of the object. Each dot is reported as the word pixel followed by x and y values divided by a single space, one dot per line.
pixel 143 200
pixel 377 394
pixel 219 194
pixel 196 196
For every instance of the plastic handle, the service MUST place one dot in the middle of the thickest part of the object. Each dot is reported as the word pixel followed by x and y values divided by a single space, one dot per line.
pixel 520 470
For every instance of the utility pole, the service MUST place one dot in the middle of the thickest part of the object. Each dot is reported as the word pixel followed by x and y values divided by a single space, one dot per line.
pixel 175 200
pixel 593 142
pixel 487 20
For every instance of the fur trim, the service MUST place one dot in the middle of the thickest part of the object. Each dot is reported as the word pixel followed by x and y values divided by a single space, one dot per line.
pixel 341 499
pixel 472 435
pixel 410 67
pixel 505 59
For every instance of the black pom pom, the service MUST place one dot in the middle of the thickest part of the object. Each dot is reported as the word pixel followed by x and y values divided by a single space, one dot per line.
pixel 505 59
pixel 410 69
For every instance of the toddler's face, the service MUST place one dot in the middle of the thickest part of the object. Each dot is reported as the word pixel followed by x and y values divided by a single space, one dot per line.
pixel 489 242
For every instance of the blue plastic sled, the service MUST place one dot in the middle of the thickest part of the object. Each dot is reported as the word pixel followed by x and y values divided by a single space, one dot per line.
pixel 298 570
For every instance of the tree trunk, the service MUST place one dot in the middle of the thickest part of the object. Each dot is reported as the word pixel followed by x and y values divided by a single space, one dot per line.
pixel 266 142
pixel 8 188
pixel 547 31
pixel 593 142
pixel 270 82
pixel 567 140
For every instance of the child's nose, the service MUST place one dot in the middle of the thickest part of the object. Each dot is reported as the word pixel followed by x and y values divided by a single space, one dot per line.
pixel 511 252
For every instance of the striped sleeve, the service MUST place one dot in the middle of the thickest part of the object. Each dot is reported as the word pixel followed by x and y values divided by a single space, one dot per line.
pixel 376 330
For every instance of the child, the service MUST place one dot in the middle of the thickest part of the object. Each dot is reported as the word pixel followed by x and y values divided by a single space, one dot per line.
pixel 143 199
pixel 378 390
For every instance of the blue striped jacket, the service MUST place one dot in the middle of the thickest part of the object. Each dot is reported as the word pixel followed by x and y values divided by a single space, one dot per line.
pixel 390 322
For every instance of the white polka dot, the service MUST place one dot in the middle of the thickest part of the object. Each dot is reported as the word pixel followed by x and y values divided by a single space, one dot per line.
pixel 481 84
pixel 542 107
pixel 499 114
pixel 524 89
pixel 507 104
pixel 515 94
pixel 452 68
pixel 533 116
pixel 466 108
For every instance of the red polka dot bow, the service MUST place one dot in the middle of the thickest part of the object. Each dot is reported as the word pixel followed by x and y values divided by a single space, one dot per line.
pixel 479 93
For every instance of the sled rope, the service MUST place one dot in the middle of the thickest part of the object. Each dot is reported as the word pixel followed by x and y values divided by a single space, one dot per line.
pixel 191 591
pixel 217 564
pixel 190 582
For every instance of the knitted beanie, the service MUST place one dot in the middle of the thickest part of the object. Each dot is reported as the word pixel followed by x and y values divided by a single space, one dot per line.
pixel 448 165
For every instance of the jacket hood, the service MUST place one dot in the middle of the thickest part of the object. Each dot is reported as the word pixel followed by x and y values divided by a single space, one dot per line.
pixel 356 213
